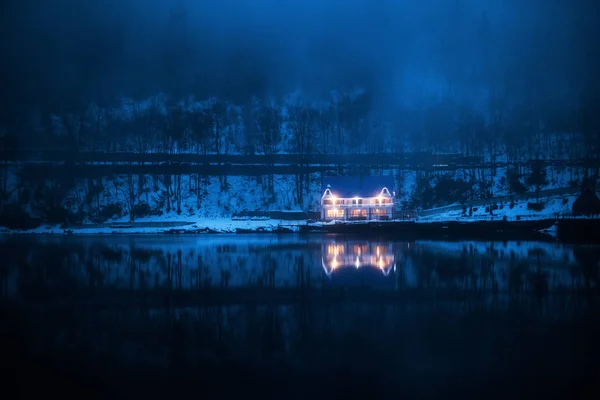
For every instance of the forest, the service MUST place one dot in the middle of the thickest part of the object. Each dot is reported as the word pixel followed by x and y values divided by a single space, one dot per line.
pixel 346 124
pixel 510 82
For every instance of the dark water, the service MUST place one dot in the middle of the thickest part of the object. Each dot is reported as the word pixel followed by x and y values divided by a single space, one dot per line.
pixel 297 317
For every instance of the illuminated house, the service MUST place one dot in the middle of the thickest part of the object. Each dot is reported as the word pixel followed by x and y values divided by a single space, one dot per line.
pixel 357 254
pixel 356 198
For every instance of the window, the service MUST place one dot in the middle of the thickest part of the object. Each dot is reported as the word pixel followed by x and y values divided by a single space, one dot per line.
pixel 381 201
pixel 379 211
pixel 357 213
pixel 335 213
pixel 327 202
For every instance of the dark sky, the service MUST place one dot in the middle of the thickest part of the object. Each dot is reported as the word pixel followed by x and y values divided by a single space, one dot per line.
pixel 58 53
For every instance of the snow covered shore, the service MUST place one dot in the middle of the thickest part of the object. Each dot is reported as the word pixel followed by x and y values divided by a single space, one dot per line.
pixel 157 225
pixel 173 223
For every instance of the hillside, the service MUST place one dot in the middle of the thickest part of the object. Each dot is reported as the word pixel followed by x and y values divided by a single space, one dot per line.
pixel 343 123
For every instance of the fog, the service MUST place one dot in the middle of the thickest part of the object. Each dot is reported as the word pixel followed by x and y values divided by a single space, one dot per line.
pixel 62 52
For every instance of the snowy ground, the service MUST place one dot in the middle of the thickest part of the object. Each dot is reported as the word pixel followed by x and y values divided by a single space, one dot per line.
pixel 559 205
pixel 209 202
pixel 218 225
pixel 553 206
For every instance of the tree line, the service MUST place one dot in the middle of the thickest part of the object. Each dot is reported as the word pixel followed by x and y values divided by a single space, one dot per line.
pixel 343 124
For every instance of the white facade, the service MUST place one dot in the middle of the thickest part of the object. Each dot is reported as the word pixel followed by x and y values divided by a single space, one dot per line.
pixel 356 208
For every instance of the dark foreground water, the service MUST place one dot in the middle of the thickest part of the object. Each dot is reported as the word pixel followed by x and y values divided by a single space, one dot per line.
pixel 297 317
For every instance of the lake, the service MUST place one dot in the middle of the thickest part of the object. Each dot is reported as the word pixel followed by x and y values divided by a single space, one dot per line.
pixel 291 316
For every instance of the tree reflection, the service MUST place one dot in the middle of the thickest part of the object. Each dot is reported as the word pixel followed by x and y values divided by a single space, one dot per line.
pixel 588 259
pixel 469 267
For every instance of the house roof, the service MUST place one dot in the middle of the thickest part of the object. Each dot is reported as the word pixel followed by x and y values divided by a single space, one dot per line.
pixel 363 186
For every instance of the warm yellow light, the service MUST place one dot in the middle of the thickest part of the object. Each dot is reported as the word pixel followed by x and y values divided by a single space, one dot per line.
pixel 334 263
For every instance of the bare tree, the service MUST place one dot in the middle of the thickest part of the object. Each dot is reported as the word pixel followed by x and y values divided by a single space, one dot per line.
pixel 94 124
pixel 269 123
pixel 353 110
pixel 130 195
pixel 234 132
pixel 115 134
pixel 178 193
pixel 303 119
pixel 166 181
pixel 219 116
pixel 72 125
pixel 176 125
pixel 201 124
pixel 325 125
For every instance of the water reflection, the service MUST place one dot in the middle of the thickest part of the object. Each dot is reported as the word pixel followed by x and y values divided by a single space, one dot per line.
pixel 433 313
pixel 229 261
pixel 356 254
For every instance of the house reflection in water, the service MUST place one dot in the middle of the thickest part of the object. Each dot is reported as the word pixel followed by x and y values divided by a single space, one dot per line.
pixel 357 254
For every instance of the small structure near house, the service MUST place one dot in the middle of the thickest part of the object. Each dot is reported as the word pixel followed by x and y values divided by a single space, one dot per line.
pixel 357 198
pixel 588 203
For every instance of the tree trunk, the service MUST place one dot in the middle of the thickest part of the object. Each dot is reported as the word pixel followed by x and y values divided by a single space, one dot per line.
pixel 167 184
pixel 178 192
pixel 198 192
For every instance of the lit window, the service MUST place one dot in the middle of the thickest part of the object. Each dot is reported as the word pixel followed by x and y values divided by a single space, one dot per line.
pixel 359 212
pixel 335 213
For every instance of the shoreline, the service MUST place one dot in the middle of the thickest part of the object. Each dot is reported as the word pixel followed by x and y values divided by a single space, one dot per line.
pixel 218 223
pixel 220 226
pixel 228 226
pixel 145 227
